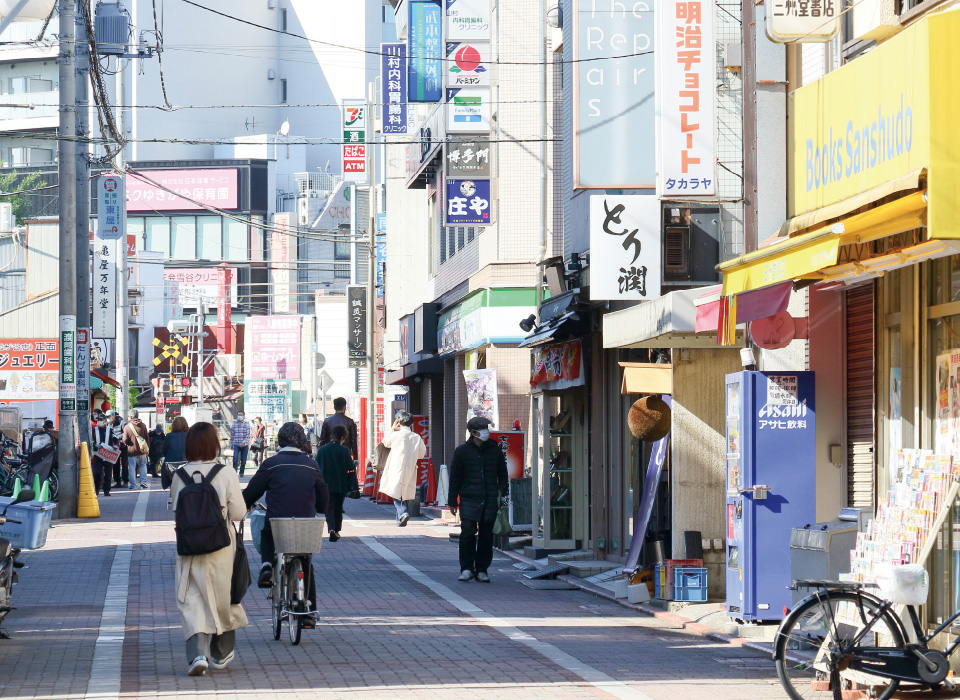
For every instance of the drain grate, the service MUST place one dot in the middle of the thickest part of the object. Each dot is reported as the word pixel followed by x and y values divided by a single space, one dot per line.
pixel 549 571
pixel 524 567
pixel 547 584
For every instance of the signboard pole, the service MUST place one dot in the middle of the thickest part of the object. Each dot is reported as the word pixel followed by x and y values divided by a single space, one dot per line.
pixel 371 293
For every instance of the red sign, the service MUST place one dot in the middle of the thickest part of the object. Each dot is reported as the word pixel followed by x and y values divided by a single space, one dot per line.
pixel 215 188
pixel 224 330
pixel 421 426
pixel 160 405
pixel 108 454
pixel 275 342
pixel 553 362
pixel 513 444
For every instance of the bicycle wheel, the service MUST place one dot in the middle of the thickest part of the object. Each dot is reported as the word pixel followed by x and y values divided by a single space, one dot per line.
pixel 277 594
pixel 54 486
pixel 295 596
pixel 818 628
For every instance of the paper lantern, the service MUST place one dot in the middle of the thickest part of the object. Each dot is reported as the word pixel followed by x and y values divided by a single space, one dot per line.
pixel 649 419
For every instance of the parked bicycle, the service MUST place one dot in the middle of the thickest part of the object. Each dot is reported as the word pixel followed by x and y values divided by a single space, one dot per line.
pixel 11 465
pixel 296 540
pixel 842 637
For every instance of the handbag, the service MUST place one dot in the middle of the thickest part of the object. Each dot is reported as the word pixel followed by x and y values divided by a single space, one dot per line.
pixel 382 452
pixel 258 443
pixel 241 571
pixel 354 491
pixel 501 526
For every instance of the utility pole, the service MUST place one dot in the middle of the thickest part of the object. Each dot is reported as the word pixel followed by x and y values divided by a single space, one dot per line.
pixel 748 28
pixel 122 351
pixel 67 167
pixel 83 220
pixel 371 280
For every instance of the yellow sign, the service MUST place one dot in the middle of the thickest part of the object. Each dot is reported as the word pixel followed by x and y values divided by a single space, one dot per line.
pixel 792 259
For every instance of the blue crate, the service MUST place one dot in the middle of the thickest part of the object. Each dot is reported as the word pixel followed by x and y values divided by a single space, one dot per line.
pixel 690 584
pixel 659 581
pixel 35 518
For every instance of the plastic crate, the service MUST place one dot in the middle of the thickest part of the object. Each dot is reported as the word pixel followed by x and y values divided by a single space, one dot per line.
pixel 672 564
pixel 690 584
pixel 298 535
pixel 660 589
pixel 35 518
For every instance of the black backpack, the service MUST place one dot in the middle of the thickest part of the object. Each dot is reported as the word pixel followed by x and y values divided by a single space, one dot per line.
pixel 198 519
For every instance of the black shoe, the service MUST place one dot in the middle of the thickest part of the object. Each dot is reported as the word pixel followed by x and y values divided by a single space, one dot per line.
pixel 334 536
pixel 265 579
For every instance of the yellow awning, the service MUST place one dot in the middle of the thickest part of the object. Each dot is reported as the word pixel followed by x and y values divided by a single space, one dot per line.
pixel 806 255
pixel 646 378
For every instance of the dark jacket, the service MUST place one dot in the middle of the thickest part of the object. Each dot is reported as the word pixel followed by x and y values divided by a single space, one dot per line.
pixel 326 431
pixel 293 483
pixel 102 436
pixel 133 429
pixel 174 450
pixel 156 441
pixel 336 465
pixel 478 477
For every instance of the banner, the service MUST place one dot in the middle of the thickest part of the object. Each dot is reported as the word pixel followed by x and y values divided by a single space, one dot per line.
pixel 482 397
pixel 513 444
pixel 552 363
pixel 393 78
pixel 425 475
pixel 625 245
pixel 224 329
pixel 280 256
pixel 426 51
pixel 111 207
pixel 214 187
pixel 103 284
pixel 274 343
pixel 83 369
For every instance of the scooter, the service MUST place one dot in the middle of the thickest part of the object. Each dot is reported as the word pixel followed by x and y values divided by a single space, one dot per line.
pixel 8 560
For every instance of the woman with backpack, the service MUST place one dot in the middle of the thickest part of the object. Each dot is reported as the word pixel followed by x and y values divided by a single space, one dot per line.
pixel 205 551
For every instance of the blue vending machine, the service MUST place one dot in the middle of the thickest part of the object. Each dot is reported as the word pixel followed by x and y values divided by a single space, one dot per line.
pixel 771 486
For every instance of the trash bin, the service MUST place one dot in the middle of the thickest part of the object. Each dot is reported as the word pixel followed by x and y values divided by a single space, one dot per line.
pixel 821 551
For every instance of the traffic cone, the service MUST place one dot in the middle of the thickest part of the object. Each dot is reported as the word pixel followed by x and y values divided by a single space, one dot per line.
pixel 36 485
pixel 45 491
pixel 87 504
pixel 17 487
pixel 369 481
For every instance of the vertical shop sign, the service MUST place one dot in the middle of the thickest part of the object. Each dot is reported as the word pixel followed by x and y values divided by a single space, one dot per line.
pixel 625 244
pixel 468 20
pixel 467 203
pixel 468 110
pixel 381 252
pixel 393 78
pixel 614 139
pixel 467 157
pixel 103 283
pixel 357 326
pixel 685 110
pixel 280 255
pixel 274 343
pixel 68 363
pixel 83 369
pixel 111 207
pixel 224 330
pixel 426 51
pixel 354 140
pixel 468 64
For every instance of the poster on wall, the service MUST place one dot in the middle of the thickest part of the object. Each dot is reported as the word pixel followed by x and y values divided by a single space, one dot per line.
pixel 482 399
pixel 268 399
pixel 513 444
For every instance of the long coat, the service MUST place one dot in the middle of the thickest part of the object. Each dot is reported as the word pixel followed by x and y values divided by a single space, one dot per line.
pixel 399 480
pixel 203 580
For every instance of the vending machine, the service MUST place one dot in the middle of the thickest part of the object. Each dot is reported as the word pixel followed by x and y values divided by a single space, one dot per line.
pixel 771 485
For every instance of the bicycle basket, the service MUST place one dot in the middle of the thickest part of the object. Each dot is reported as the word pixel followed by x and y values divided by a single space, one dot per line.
pixel 906 584
pixel 298 535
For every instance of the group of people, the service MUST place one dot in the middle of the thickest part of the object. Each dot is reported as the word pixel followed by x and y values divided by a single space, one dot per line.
pixel 132 445
pixel 294 484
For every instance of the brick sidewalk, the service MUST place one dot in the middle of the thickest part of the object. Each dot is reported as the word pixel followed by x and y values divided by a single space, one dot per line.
pixel 382 632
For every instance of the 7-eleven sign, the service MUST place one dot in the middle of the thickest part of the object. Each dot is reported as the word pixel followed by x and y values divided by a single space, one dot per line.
pixel 354 147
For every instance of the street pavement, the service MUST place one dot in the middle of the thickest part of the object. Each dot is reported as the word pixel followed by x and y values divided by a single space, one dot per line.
pixel 96 617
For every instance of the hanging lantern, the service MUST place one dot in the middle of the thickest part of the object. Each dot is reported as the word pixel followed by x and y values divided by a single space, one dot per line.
pixel 649 418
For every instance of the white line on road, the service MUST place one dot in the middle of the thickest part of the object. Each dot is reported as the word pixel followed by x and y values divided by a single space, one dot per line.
pixel 104 683
pixel 594 677
pixel 353 521
pixel 140 510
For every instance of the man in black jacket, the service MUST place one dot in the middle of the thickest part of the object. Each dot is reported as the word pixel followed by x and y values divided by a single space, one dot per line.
pixel 478 481
pixel 340 418
pixel 294 487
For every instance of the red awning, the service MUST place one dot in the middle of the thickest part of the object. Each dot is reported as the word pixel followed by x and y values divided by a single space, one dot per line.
pixel 753 305
pixel 106 378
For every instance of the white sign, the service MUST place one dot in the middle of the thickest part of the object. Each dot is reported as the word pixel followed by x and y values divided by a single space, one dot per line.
pixel 354 148
pixel 468 64
pixel 467 20
pixel 782 390
pixel 805 21
pixel 104 288
pixel 196 284
pixel 624 247
pixel 468 110
pixel 686 54
pixel 111 207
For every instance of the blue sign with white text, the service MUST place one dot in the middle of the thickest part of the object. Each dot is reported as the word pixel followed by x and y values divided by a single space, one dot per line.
pixel 393 78
pixel 425 42
pixel 468 203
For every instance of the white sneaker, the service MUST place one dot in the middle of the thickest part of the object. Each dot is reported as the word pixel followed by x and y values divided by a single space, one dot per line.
pixel 403 520
pixel 220 664
pixel 198 667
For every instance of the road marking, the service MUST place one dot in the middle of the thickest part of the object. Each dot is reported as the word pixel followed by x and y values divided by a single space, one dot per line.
pixel 104 682
pixel 598 679
pixel 140 510
pixel 353 521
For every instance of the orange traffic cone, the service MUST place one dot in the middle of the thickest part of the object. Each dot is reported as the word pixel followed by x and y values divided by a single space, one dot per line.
pixel 87 504
pixel 369 481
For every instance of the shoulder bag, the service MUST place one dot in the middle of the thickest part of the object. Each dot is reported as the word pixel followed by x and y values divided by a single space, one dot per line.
pixel 241 571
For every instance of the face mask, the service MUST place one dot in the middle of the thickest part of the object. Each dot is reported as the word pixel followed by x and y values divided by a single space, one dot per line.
pixel 240 417
pixel 484 435
pixel 102 424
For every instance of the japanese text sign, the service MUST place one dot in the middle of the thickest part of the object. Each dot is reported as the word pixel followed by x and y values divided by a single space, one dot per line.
pixel 393 78
pixel 468 64
pixel 552 363
pixel 425 51
pixel 213 187
pixel 513 445
pixel 103 282
pixel 83 369
pixel 468 20
pixel 803 20
pixel 687 63
pixel 467 203
pixel 467 157
pixel 625 247
pixel 111 207
pixel 274 347
pixel 354 146
pixel 357 326
pixel 468 110
pixel 68 363
pixel 224 329
pixel 196 284
pixel 280 254
pixel 29 369
pixel 613 94
pixel 267 399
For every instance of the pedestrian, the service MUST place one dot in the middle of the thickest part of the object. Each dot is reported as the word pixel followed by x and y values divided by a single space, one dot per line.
pixel 95 418
pixel 240 442
pixel 204 580
pixel 478 481
pixel 157 440
pixel 336 465
pixel 174 450
pixel 340 417
pixel 120 474
pixel 135 438
pixel 295 488
pixel 258 444
pixel 399 478
pixel 102 435
pixel 307 429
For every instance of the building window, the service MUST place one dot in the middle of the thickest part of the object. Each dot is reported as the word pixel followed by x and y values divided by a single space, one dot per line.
pixel 283 91
pixel 341 251
pixel 471 233
pixel 283 19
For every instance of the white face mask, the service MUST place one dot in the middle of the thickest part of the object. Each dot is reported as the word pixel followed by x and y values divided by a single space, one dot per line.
pixel 102 424
pixel 240 417
pixel 483 435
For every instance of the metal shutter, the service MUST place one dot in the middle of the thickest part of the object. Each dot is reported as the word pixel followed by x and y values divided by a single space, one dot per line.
pixel 861 449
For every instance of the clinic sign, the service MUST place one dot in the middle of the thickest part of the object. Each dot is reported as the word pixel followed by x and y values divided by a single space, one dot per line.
pixel 393 78
pixel 425 46
pixel 614 140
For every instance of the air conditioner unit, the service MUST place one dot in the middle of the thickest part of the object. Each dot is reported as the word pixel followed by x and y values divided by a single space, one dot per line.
pixel 308 208
pixel 6 216
pixel 226 365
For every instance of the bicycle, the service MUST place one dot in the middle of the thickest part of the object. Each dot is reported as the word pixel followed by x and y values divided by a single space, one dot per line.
pixel 295 540
pixel 11 466
pixel 842 637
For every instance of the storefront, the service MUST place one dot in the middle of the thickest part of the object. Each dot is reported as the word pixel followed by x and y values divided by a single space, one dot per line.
pixel 874 182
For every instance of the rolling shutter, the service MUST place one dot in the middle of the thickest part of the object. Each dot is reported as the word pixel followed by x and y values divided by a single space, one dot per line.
pixel 861 449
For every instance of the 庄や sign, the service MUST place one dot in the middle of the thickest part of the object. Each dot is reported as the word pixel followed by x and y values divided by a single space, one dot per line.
pixel 624 247
pixel 467 203
pixel 111 207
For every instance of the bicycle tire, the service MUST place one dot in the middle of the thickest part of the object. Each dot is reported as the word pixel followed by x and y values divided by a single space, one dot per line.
pixel 796 651
pixel 294 585
pixel 54 486
pixel 277 594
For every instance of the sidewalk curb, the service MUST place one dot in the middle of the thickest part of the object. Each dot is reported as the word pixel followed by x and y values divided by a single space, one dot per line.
pixel 682 622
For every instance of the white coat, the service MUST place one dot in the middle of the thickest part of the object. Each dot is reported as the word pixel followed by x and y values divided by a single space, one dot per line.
pixel 203 581
pixel 399 480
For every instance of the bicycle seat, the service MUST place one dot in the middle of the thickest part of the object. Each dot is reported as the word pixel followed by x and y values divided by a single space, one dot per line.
pixel 816 583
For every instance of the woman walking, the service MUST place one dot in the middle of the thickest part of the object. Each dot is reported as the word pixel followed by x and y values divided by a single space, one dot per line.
pixel 336 465
pixel 259 441
pixel 174 451
pixel 203 581
pixel 399 480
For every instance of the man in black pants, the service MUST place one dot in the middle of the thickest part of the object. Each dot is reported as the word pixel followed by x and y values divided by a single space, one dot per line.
pixel 295 489
pixel 478 481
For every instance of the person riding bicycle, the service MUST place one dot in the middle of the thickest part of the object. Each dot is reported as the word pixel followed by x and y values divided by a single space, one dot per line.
pixel 294 487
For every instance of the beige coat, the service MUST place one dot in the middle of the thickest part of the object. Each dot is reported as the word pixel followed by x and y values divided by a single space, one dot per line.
pixel 399 478
pixel 203 581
